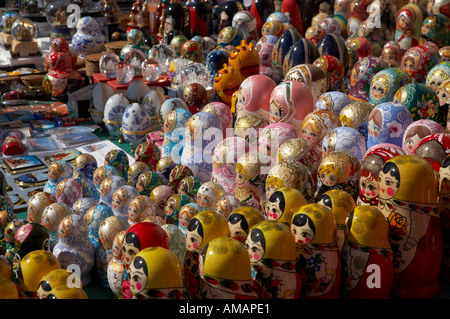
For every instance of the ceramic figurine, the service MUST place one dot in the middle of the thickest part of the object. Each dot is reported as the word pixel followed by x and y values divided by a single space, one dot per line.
pixel 36 205
pixel 355 115
pixel 386 83
pixel 136 41
pixel 88 39
pixel 203 227
pixel 314 229
pixel 51 217
pixel 311 75
pixel 408 23
pixel 68 191
pixel 387 123
pixel 94 218
pixel 226 81
pixel 242 220
pixel 419 60
pixel 341 205
pixel 121 199
pixel 135 125
pixel 114 108
pixel 148 181
pixel 334 71
pixel 332 101
pixel 137 238
pixel 118 159
pixel 152 102
pixel 160 195
pixel 227 205
pixel 317 124
pixel 148 153
pixel 54 279
pixel 272 251
pixel 174 126
pixel 84 168
pixel 281 48
pixel 74 246
pixel 283 203
pixel 367 252
pixel 416 131
pixel 101 173
pixel 60 78
pixel 408 199
pixel 57 171
pixel 344 139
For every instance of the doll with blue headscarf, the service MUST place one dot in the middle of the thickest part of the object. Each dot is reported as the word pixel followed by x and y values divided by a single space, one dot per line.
pixel 57 171
pixel 173 128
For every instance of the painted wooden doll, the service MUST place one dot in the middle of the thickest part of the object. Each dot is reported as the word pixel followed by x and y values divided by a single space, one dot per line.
pixel 272 136
pixel 332 101
pixel 68 191
pixel 368 267
pixel 318 255
pixel 386 83
pixel 281 48
pixel 136 169
pixel 392 54
pixel 355 115
pixel 241 221
pixel 177 174
pixel 408 199
pixel 223 113
pixel 36 205
pixel 189 185
pixel 173 207
pixel 309 74
pixel 51 217
pixel 283 203
pixel 140 208
pixel 84 168
pixel 408 24
pixel 185 214
pixel 227 205
pixel 331 44
pixel 54 279
pixel 121 200
pixel 419 60
pixel 148 181
pixel 94 217
pixel 57 171
pixel 115 265
pixel 334 71
pixel 160 195
pixel 101 173
pixel 148 153
pixel 173 128
pixel 416 131
pixel 118 159
pixel 272 251
pixel 344 139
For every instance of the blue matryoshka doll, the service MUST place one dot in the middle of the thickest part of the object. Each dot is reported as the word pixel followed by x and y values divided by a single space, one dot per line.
pixel 281 49
pixel 303 51
pixel 195 155
pixel 386 83
pixel 174 127
pixel 331 44
pixel 387 123
pixel 108 187
pixel 85 166
pixel 332 101
pixel 119 160
pixel 344 139
pixel 101 173
pixel 57 171
pixel 94 218
pixel 121 200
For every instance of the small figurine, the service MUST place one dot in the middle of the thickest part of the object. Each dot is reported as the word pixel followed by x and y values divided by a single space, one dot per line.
pixel 94 218
pixel 51 218
pixel 416 131
pixel 209 194
pixel 88 39
pixel 148 153
pixel 108 187
pixel 135 125
pixel 118 159
pixel 173 207
pixel 57 171
pixel 185 215
pixel 68 191
pixel 317 124
pixel 140 208
pixel 418 60
pixel 135 170
pixel 148 181
pixel 408 25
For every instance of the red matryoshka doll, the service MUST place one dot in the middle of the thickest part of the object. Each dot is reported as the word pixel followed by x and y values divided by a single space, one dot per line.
pixel 416 131
pixel 225 271
pixel 314 229
pixel 358 13
pixel 419 60
pixel 227 81
pixel 361 77
pixel 371 165
pixel 303 51
pixel 254 96
pixel 283 203
pixel 203 228
pixel 341 205
pixel 310 75
pixel 272 251
pixel 137 238
pixel 392 54
pixel 408 199
pixel 290 102
pixel 241 221
pixel 361 45
pixel 408 24
pixel 148 153
pixel 355 115
pixel 317 124
pixel 368 267
pixel 444 210
pixel 334 72
pixel 272 136
pixel 261 9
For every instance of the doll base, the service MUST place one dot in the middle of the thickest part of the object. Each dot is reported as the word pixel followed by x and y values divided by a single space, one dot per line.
pixel 418 292
pixel 21 49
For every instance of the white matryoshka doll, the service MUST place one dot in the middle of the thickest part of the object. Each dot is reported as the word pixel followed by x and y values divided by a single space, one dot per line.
pixel 209 194
pixel 355 115
pixel 254 96
pixel 225 156
pixel 57 171
pixel 174 129
pixel 344 139
pixel 387 123
pixel 115 265
pixel 203 227
pixel 290 102
pixel 74 246
pixel 341 204
pixel 272 251
pixel 314 229
pixel 317 124
pixel 368 267
pixel 371 165
pixel 408 199
pixel 202 131
pixel 84 168
pixel 223 113
pixel 416 131
pixel 225 270
pixel 310 75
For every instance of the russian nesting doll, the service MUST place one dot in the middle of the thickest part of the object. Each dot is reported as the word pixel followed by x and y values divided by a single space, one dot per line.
pixel 386 83
pixel 408 24
pixel 135 170
pixel 118 159
pixel 344 139
pixel 274 135
pixel 107 188
pixel 121 201
pixel 416 131
pixel 419 60
pixel 148 181
pixel 84 168
pixel 283 203
pixel 355 115
pixel 36 205
pixel 101 173
pixel 333 101
pixel 115 265
pixel 173 206
pixel 57 171
pixel 242 220
pixel 227 204
pixel 189 185
pixel 173 129
pixel 334 72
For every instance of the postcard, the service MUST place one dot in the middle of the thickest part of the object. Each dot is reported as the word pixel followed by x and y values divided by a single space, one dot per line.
pixel 22 164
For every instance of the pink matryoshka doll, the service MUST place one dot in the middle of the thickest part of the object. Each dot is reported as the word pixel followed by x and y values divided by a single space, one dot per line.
pixel 223 113
pixel 416 131
pixel 334 71
pixel 361 77
pixel 408 25
pixel 311 75
pixel 254 96
pixel 408 199
pixel 225 156
pixel 317 124
pixel 371 165
pixel 290 102
pixel 315 232
pixel 419 60
pixel 273 136
pixel 367 254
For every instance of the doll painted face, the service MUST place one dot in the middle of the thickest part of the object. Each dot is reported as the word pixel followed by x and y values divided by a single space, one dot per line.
pixel 379 88
pixel 120 198
pixel 303 229
pixel 329 176
pixel 129 250
pixel 55 171
pixel 374 123
pixel 403 21
pixel 414 136
pixel 105 187
pixel 204 200
pixel 238 227
pixel 389 181
pixel 138 277
pixel 274 208
pixel 368 184
pixel 99 175
pixel 255 245
pixel 409 65
pixel 276 112
pixel 183 219
pixel 170 206
pixel 309 133
pixel 194 235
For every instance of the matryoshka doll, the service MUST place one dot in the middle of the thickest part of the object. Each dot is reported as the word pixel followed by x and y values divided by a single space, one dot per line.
pixel 281 48
pixel 84 168
pixel 344 139
pixel 248 127
pixel 118 159
pixel 254 96
pixel 51 218
pixel 387 123
pixel 443 95
pixel 408 199
pixel 57 171
pixel 148 181
pixel 173 206
pixel 434 29
pixel 227 204
pixel 160 194
pixel 386 83
pixel 94 218
pixel 367 254
pixel 8 242
pixel 225 271
pixel 140 208
pixel 121 201
pixel 137 238
pixel 174 127
pixel 334 71
pixel 358 13
pixel 108 187
pixel 314 229
pixel 203 227
pixel 355 115
pixel 272 251
pixel 36 205
pixel 392 54
pixel 303 51
pixel 317 124
pixel 434 148
pixel 177 174
pixel 74 246
pixel 68 191
pixel 223 113
pixel 209 194
pixel 290 102
pixel 408 25
pixel 332 101
pixel 246 21
pixel 438 74
pixel 419 60
pixel 283 203
pixel 189 185
pixel 241 221
pixel 186 213
pixel 177 241
pixel 225 12
pixel 361 76
pixel 416 131
pixel 331 44
pixel 315 33
pixel 101 173
pixel 225 156
pixel 371 165
pixel 311 75
pixel 272 136
pixel 156 273
pixel 148 153
pixel 338 170
pixel 54 279
pixel 135 170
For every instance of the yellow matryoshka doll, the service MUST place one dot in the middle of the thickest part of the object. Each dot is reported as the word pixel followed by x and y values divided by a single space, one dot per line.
pixel 241 221
pixel 408 199
pixel 271 247
pixel 318 256
pixel 225 270
pixel 367 255
pixel 203 227
pixel 283 203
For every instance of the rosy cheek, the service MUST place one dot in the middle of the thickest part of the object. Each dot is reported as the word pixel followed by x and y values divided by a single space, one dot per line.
pixel 255 256
pixel 275 216
pixel 307 240
pixel 390 191
pixel 372 193
pixel 363 191
pixel 195 245
pixel 138 286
